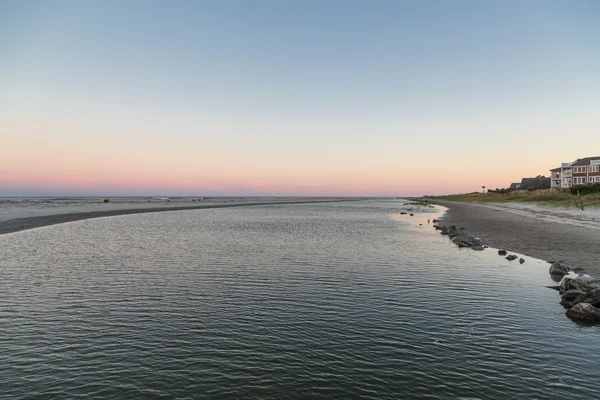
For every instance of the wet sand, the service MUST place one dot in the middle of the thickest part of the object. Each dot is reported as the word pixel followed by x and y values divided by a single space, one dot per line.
pixel 84 209
pixel 575 246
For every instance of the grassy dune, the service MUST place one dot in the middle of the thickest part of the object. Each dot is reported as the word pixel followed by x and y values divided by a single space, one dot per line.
pixel 545 197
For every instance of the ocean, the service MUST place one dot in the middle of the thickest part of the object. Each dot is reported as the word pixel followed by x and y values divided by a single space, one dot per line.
pixel 336 300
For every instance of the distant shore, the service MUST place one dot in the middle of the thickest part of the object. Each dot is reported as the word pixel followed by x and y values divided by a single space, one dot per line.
pixel 13 215
pixel 546 234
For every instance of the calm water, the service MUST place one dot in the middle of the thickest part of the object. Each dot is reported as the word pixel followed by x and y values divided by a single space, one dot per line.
pixel 348 300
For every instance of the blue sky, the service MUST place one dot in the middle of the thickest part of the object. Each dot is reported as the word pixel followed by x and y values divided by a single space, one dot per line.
pixel 275 87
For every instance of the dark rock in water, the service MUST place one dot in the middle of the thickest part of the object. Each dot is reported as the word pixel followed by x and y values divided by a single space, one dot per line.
pixel 572 294
pixel 556 287
pixel 411 214
pixel 502 252
pixel 578 270
pixel 462 228
pixel 435 221
pixel 558 269
pixel 565 284
pixel 403 213
pixel 585 282
pixel 475 241
pixel 521 261
pixel 584 311
pixel 463 240
pixel 551 262
pixel 592 297
pixel 566 303
pixel 106 201
pixel 511 257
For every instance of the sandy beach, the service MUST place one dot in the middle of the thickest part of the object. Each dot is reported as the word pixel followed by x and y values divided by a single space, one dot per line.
pixel 21 214
pixel 569 236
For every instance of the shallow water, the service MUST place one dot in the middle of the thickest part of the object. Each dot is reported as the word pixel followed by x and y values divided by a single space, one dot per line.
pixel 347 300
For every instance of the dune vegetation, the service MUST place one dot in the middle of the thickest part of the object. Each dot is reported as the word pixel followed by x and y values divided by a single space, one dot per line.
pixel 545 197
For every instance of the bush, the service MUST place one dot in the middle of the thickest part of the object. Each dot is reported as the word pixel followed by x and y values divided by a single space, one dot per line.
pixel 585 189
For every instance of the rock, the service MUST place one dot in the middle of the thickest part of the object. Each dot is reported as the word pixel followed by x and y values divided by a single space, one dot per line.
pixel 501 252
pixel 585 282
pixel 565 285
pixel 558 269
pixel 566 303
pixel 511 257
pixel 411 214
pixel 106 201
pixel 403 213
pixel 474 241
pixel 592 297
pixel 477 247
pixel 578 270
pixel 584 311
pixel 572 294
pixel 556 287
pixel 435 221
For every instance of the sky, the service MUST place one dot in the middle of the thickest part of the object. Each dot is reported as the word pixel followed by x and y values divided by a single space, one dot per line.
pixel 311 97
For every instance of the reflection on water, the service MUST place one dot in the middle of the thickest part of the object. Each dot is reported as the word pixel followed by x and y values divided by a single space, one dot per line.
pixel 341 300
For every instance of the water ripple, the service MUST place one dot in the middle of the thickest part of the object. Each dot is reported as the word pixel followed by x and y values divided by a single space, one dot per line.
pixel 346 300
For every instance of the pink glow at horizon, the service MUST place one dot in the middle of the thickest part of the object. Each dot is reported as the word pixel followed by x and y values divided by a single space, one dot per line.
pixel 393 100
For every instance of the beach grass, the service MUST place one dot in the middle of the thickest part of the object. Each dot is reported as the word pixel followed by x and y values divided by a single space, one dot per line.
pixel 545 197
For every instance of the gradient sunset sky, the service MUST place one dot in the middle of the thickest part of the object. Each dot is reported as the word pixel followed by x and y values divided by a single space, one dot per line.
pixel 365 98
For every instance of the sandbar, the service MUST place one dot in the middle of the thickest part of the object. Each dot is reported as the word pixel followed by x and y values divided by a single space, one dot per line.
pixel 22 214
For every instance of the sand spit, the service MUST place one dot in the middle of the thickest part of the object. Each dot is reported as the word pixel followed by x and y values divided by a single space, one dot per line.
pixel 21 214
pixel 539 233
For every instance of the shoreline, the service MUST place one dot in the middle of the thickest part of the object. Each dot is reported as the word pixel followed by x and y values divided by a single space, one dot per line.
pixel 553 238
pixel 14 225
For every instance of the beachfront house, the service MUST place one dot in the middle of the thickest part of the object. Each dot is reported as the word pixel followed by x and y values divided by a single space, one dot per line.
pixel 582 171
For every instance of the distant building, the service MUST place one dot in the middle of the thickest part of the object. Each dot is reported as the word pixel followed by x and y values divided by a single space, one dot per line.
pixel 514 186
pixel 582 171
pixel 534 183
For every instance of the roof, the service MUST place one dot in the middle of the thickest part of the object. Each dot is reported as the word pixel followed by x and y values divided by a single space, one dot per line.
pixel 535 183
pixel 514 186
pixel 584 161
pixel 556 169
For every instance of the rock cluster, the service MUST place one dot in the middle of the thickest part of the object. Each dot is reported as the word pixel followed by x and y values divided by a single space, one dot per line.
pixel 459 236
pixel 463 239
pixel 580 295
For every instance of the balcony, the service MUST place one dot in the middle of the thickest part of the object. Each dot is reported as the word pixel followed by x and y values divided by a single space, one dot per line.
pixel 566 173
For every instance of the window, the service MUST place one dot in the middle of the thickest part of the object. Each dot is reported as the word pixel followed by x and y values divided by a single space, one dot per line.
pixel 579 170
pixel 594 168
pixel 594 179
pixel 578 180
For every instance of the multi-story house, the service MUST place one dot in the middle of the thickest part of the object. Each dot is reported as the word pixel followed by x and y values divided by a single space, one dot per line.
pixel 582 171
